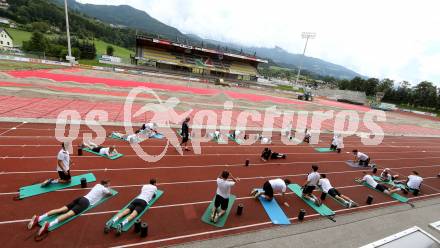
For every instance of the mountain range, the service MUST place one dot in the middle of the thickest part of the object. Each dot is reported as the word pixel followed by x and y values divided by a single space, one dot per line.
pixel 127 16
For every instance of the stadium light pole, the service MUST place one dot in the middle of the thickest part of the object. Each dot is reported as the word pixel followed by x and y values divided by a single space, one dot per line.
pixel 69 49
pixel 307 36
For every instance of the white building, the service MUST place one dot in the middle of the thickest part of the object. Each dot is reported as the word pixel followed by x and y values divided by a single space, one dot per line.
pixel 5 39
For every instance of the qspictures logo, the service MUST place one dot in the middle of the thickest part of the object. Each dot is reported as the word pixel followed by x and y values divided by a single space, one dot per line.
pixel 207 124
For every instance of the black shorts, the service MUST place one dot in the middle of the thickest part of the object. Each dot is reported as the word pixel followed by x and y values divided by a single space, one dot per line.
pixel 184 139
pixel 78 205
pixel 309 189
pixel 381 187
pixel 64 176
pixel 137 204
pixel 268 190
pixel 333 192
pixel 221 202
pixel 364 162
pixel 97 149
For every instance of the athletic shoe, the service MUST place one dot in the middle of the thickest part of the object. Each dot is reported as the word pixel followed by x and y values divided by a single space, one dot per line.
pixel 119 229
pixel 33 223
pixel 108 226
pixel 353 204
pixel 258 194
pixel 253 192
pixel 44 229
pixel 216 218
pixel 47 182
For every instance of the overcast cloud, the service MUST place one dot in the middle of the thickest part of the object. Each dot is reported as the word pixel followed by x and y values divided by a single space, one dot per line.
pixel 395 39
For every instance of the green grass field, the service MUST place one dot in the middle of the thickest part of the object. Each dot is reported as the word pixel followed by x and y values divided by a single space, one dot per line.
pixel 18 36
pixel 124 53
pixel 6 65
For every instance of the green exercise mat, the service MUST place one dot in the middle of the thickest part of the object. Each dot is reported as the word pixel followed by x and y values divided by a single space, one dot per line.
pixel 323 149
pixel 105 156
pixel 113 136
pixel 238 141
pixel 399 185
pixel 393 195
pixel 222 220
pixel 53 217
pixel 328 195
pixel 36 189
pixel 322 210
pixel 127 227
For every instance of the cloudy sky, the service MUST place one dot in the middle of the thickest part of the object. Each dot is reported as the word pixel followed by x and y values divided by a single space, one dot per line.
pixel 378 38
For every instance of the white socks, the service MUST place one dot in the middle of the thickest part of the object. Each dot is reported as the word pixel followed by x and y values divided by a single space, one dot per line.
pixel 42 217
pixel 115 219
pixel 53 223
pixel 124 222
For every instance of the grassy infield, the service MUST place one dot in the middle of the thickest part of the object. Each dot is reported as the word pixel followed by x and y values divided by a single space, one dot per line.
pixel 18 36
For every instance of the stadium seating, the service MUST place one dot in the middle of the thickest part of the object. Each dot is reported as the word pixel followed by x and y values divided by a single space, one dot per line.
pixel 243 68
pixel 156 54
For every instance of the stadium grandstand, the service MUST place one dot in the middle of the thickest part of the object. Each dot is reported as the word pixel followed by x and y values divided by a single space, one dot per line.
pixel 205 62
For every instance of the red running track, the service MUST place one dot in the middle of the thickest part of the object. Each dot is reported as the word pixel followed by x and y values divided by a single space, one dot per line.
pixel 27 155
pixel 155 86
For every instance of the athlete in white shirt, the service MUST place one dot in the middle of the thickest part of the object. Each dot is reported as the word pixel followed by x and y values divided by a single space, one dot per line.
pixel 361 158
pixel 336 143
pixel 107 151
pixel 379 186
pixel 413 182
pixel 307 136
pixel 135 207
pixel 77 206
pixel 310 185
pixel 223 192
pixel 270 187
pixel 386 175
pixel 327 188
pixel 63 168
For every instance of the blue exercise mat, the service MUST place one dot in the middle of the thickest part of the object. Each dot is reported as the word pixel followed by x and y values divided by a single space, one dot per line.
pixel 274 211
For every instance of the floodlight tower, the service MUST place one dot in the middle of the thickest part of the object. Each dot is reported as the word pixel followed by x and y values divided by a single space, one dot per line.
pixel 307 36
pixel 69 49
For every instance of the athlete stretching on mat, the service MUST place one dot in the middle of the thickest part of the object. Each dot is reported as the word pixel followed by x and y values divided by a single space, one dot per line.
pixel 132 138
pixel 108 151
pixel 327 188
pixel 307 136
pixel 148 128
pixel 185 134
pixel 222 195
pixel 379 186
pixel 235 133
pixel 268 154
pixel 413 182
pixel 310 185
pixel 77 206
pixel 336 143
pixel 361 158
pixel 63 168
pixel 386 175
pixel 136 207
pixel 271 186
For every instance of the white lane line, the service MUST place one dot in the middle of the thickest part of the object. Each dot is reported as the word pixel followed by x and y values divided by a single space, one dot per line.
pixel 244 227
pixel 212 180
pixel 189 167
pixel 239 198
pixel 13 128
pixel 198 155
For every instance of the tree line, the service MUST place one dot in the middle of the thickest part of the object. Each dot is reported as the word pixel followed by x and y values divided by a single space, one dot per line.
pixel 424 95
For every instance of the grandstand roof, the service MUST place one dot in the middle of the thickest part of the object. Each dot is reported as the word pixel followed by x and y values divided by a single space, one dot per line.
pixel 202 49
